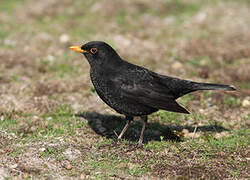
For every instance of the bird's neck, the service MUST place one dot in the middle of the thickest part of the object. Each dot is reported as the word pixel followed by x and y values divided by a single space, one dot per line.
pixel 107 68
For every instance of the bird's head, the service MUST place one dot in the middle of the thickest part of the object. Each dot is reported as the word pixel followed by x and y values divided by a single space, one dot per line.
pixel 97 52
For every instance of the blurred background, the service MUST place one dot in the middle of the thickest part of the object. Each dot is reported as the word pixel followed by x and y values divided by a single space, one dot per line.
pixel 201 40
pixel 206 41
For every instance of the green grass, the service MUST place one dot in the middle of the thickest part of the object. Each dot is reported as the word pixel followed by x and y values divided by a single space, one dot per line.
pixel 157 145
pixel 232 101
pixel 167 117
pixel 55 124
pixel 8 6
pixel 111 165
pixel 236 140
pixel 244 85
pixel 53 151
pixel 60 122
pixel 3 33
pixel 175 8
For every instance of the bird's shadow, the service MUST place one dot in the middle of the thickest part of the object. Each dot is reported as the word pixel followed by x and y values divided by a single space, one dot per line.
pixel 110 126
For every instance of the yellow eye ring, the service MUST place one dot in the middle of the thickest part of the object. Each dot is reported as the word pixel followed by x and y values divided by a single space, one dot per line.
pixel 93 50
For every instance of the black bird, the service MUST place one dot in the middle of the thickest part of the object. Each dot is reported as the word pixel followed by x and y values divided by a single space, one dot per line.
pixel 134 90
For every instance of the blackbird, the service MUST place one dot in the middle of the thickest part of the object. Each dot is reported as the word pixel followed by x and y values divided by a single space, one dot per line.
pixel 134 90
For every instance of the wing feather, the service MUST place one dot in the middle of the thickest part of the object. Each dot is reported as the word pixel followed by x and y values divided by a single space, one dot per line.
pixel 153 95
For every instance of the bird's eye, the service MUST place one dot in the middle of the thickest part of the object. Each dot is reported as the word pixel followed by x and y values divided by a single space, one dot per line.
pixel 93 50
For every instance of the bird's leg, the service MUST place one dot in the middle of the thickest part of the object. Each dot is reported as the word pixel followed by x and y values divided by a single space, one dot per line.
pixel 129 119
pixel 144 119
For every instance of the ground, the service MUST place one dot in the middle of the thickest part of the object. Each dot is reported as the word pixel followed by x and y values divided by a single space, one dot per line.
pixel 54 126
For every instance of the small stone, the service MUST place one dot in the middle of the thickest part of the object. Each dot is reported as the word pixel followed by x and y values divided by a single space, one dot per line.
pixel 33 129
pixel 64 38
pixel 26 175
pixel 221 153
pixel 122 165
pixel 83 176
pixel 203 62
pixel 245 103
pixel 35 117
pixel 71 154
pixel 201 111
pixel 51 58
pixel 176 65
pixel 67 166
pixel 42 149
pixel 49 118
pixel 221 134
pixel 201 17
pixel 185 131
pixel 13 166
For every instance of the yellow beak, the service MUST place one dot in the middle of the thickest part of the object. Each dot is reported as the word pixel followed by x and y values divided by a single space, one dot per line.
pixel 77 49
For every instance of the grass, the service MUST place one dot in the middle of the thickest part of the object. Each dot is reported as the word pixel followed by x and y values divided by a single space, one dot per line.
pixel 3 34
pixel 53 125
pixel 8 6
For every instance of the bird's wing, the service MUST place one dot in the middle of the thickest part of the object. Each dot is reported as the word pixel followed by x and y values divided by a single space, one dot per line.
pixel 141 87
pixel 177 87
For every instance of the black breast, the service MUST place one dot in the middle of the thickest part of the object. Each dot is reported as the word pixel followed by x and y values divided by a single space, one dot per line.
pixel 110 93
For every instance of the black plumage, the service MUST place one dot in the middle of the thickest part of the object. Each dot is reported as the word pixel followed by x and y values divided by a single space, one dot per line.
pixel 134 90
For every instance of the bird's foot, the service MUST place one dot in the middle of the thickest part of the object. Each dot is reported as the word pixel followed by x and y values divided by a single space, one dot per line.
pixel 134 148
pixel 139 145
pixel 117 141
pixel 113 144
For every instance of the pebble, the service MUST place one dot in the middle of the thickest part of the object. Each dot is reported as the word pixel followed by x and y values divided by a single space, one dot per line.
pixel 49 118
pixel 122 165
pixel 51 58
pixel 221 134
pixel 13 166
pixel 185 131
pixel 201 17
pixel 42 149
pixel 84 176
pixel 176 65
pixel 64 38
pixel 35 117
pixel 245 103
pixel 33 129
pixel 67 166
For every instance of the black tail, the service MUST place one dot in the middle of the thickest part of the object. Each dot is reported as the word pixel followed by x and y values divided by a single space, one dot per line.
pixel 209 86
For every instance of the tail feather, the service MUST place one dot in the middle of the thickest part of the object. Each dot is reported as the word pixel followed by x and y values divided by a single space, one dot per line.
pixel 210 86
